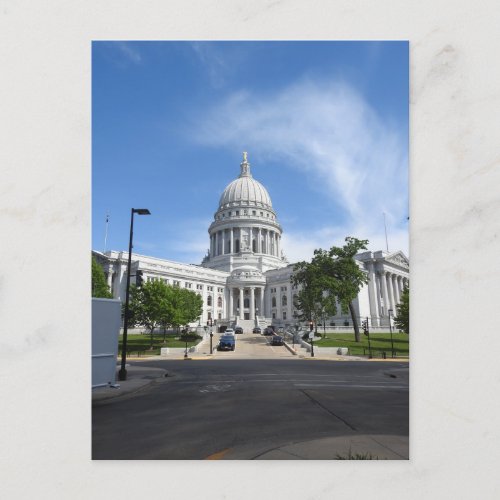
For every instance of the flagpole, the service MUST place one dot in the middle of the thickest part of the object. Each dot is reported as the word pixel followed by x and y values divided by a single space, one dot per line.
pixel 106 233
pixel 386 242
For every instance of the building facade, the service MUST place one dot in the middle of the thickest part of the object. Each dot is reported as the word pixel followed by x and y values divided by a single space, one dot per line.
pixel 245 277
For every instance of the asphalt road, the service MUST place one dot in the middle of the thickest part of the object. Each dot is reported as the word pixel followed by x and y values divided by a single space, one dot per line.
pixel 241 405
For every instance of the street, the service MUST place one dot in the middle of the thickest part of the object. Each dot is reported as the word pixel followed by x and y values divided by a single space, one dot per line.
pixel 254 403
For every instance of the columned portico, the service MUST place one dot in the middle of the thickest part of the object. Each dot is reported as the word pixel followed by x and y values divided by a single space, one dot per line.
pixel 374 310
pixel 242 304
pixel 252 302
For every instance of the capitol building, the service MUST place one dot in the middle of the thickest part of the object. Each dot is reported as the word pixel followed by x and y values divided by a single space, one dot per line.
pixel 245 278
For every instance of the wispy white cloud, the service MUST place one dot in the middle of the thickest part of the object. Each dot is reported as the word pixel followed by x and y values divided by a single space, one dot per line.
pixel 214 63
pixel 191 241
pixel 327 131
pixel 132 54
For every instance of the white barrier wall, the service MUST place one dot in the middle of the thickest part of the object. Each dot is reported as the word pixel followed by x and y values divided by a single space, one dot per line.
pixel 106 322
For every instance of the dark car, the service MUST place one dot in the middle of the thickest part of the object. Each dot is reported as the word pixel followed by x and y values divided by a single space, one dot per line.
pixel 257 330
pixel 268 331
pixel 277 340
pixel 238 329
pixel 272 327
pixel 226 343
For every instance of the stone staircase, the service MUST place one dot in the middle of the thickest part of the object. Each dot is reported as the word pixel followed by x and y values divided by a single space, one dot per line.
pixel 247 324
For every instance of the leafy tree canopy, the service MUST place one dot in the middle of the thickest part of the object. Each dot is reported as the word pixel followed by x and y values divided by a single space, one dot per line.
pixel 100 288
pixel 402 320
pixel 331 273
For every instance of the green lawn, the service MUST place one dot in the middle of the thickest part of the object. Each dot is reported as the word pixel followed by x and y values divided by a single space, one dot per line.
pixel 137 343
pixel 379 342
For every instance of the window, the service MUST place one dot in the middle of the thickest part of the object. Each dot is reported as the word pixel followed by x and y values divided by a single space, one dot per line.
pixel 246 303
pixel 274 315
pixel 219 302
pixel 273 302
pixel 177 283
pixel 188 285
pixel 237 246
pixel 210 288
pixel 284 301
pixel 209 300
pixel 209 315
pixel 254 212
pixel 283 288
pixel 262 214
pixel 237 212
pixel 220 316
pixel 220 289
pixel 166 280
pixel 284 314
pixel 199 287
pixel 254 246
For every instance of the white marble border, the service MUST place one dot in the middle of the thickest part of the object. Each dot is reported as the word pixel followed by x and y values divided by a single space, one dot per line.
pixel 45 227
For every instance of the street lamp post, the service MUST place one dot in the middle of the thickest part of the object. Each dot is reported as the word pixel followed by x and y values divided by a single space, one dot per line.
pixel 122 374
pixel 390 311
pixel 311 332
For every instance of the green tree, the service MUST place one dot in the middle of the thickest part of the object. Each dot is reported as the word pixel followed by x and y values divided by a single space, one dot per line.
pixel 147 305
pixel 311 300
pixel 333 273
pixel 100 288
pixel 402 320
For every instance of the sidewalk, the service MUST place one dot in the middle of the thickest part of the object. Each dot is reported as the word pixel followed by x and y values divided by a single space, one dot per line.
pixel 357 447
pixel 138 377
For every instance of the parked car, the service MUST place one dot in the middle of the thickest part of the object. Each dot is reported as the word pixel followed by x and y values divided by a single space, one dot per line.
pixel 268 331
pixel 238 329
pixel 226 343
pixel 228 331
pixel 257 329
pixel 272 327
pixel 277 340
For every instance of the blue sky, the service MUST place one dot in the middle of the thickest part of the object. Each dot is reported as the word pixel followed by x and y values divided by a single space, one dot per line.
pixel 325 125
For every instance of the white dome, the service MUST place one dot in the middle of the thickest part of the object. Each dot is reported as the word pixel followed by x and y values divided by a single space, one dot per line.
pixel 245 190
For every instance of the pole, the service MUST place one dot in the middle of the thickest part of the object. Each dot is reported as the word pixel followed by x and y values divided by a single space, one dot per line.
pixel 390 329
pixel 386 242
pixel 122 375
pixel 369 345
pixel 106 233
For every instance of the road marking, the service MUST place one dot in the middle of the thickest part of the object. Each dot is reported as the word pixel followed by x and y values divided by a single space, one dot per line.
pixel 216 388
pixel 353 386
pixel 218 455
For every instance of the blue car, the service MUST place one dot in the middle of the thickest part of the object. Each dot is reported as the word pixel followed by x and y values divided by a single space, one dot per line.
pixel 226 343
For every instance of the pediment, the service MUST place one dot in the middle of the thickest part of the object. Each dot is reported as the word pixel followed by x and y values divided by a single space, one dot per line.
pixel 398 258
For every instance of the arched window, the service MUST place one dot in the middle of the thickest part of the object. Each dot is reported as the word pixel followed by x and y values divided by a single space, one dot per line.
pixel 273 302
pixel 209 300
pixel 284 300
pixel 236 246
pixel 219 302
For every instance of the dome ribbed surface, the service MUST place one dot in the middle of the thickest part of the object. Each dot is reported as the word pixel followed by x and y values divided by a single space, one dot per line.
pixel 245 190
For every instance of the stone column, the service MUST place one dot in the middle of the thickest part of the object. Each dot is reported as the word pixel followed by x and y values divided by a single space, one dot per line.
pixel 216 252
pixel 252 302
pixel 390 292
pixel 394 291
pixel 377 291
pixel 262 311
pixel 372 295
pixel 242 303
pixel 231 241
pixel 230 312
pixel 110 277
pixel 259 243
pixel 383 279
